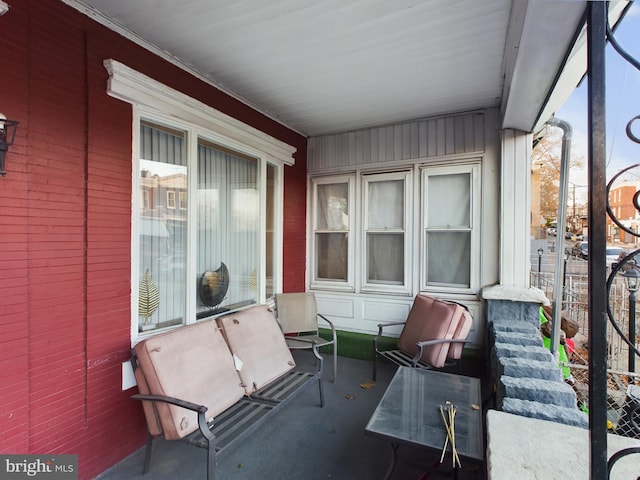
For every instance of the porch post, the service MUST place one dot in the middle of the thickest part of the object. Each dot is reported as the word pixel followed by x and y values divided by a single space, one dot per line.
pixel 515 208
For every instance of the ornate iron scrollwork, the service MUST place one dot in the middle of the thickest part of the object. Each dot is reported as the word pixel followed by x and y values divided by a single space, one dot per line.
pixel 629 261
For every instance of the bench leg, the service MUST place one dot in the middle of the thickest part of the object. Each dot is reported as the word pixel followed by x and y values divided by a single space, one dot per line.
pixel 211 461
pixel 147 454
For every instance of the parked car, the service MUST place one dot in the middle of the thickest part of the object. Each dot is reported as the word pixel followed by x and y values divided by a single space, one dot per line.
pixel 613 253
pixel 632 263
pixel 581 250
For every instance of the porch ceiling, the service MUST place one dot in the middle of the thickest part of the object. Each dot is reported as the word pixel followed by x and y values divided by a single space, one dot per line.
pixel 335 65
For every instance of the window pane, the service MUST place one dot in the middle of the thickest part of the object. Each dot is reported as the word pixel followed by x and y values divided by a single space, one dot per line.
pixel 449 200
pixel 271 222
pixel 228 230
pixel 333 207
pixel 385 258
pixel 448 258
pixel 162 228
pixel 386 204
pixel 331 256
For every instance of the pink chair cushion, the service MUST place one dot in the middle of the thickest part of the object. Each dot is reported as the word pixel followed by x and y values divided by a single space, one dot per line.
pixel 430 319
pixel 461 333
pixel 191 363
pixel 255 338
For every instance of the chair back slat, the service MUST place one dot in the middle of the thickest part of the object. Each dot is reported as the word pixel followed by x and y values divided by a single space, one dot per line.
pixel 297 312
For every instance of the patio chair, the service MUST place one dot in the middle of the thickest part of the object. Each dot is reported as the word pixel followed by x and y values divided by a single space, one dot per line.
pixel 298 317
pixel 433 335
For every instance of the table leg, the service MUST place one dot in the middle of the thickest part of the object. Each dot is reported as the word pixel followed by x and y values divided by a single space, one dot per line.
pixel 394 448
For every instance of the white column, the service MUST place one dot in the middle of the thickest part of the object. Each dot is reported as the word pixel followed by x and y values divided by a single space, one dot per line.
pixel 515 208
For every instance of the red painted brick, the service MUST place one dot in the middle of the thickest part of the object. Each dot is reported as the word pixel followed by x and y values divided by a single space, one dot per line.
pixel 66 245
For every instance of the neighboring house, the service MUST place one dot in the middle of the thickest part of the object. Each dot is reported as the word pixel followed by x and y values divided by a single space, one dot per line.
pixel 128 161
pixel 622 207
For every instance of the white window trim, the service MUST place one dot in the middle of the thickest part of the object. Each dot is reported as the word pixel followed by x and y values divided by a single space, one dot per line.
pixel 335 285
pixel 476 198
pixel 155 101
pixel 136 88
pixel 387 288
pixel 171 199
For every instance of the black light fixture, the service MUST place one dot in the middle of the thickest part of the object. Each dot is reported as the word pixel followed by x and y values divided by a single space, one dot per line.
pixel 7 135
pixel 632 277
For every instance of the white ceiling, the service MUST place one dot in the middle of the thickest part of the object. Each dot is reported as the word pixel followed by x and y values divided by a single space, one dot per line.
pixel 322 66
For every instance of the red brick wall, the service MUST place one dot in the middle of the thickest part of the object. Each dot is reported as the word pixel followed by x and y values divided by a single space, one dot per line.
pixel 65 232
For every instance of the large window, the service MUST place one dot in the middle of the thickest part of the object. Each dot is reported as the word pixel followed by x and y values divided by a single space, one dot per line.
pixel 441 252
pixel 207 227
pixel 450 204
pixel 386 199
pixel 207 206
pixel 162 229
pixel 332 243
pixel 228 226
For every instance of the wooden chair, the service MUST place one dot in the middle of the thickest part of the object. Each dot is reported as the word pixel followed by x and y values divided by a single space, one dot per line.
pixel 433 335
pixel 298 315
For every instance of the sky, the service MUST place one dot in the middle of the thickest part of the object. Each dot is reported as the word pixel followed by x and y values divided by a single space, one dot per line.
pixel 622 104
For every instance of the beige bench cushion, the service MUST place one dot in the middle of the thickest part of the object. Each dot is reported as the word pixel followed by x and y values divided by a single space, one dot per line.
pixel 190 363
pixel 255 338
pixel 430 319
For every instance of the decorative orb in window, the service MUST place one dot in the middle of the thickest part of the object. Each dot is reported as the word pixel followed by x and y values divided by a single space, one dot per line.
pixel 213 286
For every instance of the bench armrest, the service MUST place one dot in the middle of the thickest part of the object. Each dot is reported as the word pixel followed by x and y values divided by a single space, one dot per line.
pixel 172 400
pixel 204 426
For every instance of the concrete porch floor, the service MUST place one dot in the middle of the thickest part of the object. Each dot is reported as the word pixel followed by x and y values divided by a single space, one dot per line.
pixel 304 441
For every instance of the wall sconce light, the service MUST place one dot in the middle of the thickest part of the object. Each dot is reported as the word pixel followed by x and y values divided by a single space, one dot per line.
pixel 7 135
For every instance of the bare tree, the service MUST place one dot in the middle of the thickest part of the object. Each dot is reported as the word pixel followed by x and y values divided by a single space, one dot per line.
pixel 545 160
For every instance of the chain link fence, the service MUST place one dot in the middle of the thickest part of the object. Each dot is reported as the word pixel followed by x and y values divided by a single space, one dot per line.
pixel 623 386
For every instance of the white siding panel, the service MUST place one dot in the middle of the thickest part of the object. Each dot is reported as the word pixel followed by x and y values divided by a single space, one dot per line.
pixel 363 313
pixel 423 138
pixel 336 307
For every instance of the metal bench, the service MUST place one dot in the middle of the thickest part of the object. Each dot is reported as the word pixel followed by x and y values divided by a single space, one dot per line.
pixel 213 383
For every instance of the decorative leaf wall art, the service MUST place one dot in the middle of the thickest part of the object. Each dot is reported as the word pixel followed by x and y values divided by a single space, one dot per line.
pixel 149 298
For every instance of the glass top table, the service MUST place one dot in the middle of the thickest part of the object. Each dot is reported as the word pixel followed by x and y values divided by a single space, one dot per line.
pixel 409 412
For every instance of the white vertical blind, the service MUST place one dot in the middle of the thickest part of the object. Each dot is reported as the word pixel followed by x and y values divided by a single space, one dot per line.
pixel 163 221
pixel 228 221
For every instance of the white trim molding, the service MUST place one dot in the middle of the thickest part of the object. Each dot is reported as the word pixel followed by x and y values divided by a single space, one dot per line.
pixel 136 88
pixel 515 208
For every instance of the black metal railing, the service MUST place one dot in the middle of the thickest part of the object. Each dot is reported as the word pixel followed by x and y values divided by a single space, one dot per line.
pixel 598 33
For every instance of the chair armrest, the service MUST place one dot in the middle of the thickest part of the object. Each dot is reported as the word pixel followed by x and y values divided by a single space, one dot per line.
pixel 389 324
pixel 381 326
pixel 425 343
pixel 203 425
pixel 316 353
pixel 300 338
pixel 333 328
pixel 327 320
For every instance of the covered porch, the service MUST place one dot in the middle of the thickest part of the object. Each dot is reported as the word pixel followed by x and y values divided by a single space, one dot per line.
pixel 220 153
